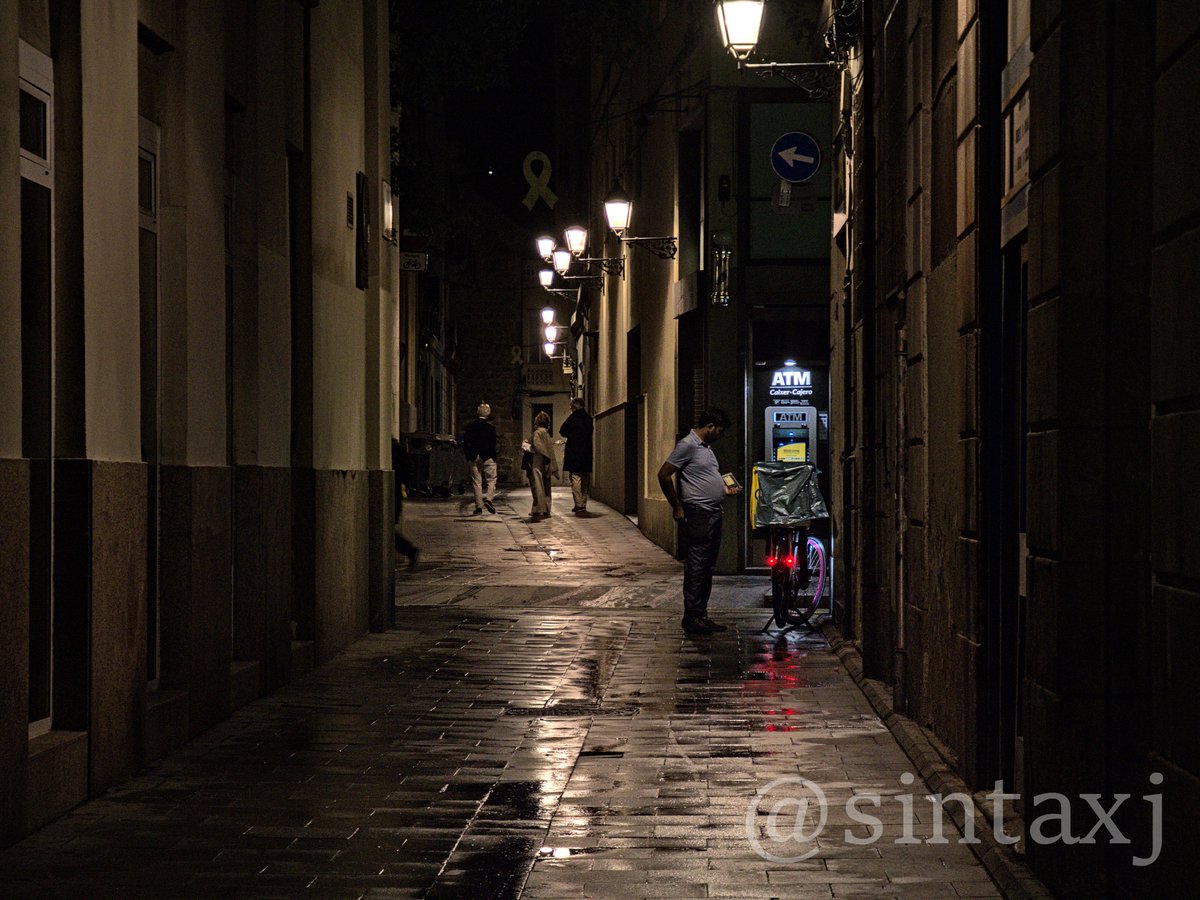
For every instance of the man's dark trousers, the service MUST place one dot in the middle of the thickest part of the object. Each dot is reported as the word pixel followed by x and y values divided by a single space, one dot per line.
pixel 702 530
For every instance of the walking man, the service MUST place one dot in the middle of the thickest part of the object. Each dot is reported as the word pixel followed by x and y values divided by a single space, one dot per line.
pixel 698 508
pixel 479 445
pixel 577 457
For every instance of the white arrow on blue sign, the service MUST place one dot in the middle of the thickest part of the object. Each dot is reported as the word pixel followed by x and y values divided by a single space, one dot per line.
pixel 796 156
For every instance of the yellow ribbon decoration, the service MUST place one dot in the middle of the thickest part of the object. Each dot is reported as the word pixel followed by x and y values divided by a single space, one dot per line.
pixel 539 183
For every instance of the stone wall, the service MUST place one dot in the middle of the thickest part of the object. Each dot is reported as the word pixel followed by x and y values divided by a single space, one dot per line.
pixel 1042 632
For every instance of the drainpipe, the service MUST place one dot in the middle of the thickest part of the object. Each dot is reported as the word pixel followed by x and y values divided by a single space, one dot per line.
pixel 899 650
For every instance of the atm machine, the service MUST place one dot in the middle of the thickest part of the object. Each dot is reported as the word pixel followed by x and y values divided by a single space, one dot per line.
pixel 790 433
pixel 794 400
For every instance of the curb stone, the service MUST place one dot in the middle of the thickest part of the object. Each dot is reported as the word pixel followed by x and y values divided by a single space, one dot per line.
pixel 1012 876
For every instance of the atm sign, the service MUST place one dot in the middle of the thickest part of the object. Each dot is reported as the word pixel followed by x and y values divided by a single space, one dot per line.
pixel 790 418
pixel 791 378
pixel 791 383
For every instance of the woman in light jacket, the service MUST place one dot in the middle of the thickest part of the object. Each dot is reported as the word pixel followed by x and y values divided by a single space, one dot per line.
pixel 543 465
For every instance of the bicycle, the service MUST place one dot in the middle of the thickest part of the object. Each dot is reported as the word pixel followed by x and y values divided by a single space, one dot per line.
pixel 785 500
pixel 797 561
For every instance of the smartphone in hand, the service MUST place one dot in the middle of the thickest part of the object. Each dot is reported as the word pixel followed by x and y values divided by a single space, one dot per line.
pixel 731 483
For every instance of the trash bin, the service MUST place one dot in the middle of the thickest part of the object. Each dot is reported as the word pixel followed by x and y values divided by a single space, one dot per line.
pixel 420 446
pixel 446 466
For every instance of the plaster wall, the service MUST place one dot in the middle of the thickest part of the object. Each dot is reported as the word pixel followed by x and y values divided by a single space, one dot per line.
pixel 384 260
pixel 192 305
pixel 339 308
pixel 111 320
pixel 204 234
pixel 653 312
pixel 273 277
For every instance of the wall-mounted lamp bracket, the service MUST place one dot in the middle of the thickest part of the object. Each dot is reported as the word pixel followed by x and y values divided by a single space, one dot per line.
pixel 596 280
pixel 610 265
pixel 817 79
pixel 662 247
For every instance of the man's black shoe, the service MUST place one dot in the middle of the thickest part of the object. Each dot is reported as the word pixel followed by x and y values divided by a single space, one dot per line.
pixel 697 626
pixel 478 512
pixel 715 626
pixel 490 508
pixel 412 560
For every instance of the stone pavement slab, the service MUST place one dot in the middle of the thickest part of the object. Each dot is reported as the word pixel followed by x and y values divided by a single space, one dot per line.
pixel 536 725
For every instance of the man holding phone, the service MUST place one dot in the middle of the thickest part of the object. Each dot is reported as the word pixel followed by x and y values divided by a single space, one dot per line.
pixel 698 507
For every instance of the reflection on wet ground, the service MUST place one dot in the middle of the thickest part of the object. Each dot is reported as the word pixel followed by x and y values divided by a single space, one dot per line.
pixel 506 746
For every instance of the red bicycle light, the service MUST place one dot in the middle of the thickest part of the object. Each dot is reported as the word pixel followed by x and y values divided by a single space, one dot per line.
pixel 789 561
pixel 771 560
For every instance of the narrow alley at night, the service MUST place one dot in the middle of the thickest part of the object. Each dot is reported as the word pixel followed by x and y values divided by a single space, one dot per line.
pixel 622 448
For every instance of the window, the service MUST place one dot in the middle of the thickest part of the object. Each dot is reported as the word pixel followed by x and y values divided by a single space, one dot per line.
pixel 37 365
pixel 34 139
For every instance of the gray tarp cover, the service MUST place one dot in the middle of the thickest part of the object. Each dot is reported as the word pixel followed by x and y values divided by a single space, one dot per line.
pixel 787 494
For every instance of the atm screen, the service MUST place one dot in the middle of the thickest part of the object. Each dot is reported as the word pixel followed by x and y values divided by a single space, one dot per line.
pixel 790 443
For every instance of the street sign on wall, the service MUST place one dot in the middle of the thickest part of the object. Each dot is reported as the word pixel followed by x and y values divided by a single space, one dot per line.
pixel 796 156
pixel 413 262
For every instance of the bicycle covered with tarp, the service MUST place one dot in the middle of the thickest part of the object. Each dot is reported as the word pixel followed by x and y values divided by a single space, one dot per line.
pixel 784 499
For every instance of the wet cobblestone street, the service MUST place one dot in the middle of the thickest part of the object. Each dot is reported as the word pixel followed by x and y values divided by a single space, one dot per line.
pixel 536 725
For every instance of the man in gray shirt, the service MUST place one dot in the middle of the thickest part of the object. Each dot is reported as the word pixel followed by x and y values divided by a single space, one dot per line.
pixel 698 508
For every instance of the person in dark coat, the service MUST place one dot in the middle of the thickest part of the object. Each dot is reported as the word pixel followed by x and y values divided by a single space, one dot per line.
pixel 479 446
pixel 577 458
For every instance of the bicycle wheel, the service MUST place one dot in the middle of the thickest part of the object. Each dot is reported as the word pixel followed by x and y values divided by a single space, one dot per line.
pixel 817 567
pixel 779 595
pixel 780 576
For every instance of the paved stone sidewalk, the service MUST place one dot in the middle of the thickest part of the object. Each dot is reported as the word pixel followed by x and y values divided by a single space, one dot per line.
pixel 538 726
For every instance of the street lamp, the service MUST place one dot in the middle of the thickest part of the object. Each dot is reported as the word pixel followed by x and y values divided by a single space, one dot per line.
pixel 740 22
pixel 545 277
pixel 547 315
pixel 550 332
pixel 548 347
pixel 562 260
pixel 545 246
pixel 576 236
pixel 618 209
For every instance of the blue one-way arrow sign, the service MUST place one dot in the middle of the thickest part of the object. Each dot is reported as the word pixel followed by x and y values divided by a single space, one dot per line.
pixel 796 156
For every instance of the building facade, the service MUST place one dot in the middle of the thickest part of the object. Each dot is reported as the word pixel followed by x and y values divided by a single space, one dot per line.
pixel 1011 403
pixel 199 378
